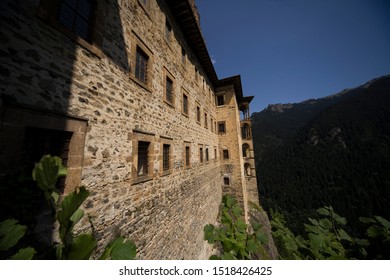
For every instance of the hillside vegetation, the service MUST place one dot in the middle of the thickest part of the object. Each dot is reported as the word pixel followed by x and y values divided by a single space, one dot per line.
pixel 332 151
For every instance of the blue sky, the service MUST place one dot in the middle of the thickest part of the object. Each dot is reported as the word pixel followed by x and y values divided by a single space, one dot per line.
pixel 293 50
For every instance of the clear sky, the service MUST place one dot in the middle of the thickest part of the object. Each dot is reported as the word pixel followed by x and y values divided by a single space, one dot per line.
pixel 293 50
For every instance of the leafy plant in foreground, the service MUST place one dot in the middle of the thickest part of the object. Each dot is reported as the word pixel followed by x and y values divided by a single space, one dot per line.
pixel 232 237
pixel 68 213
pixel 327 238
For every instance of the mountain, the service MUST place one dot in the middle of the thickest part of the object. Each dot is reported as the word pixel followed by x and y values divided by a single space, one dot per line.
pixel 330 151
pixel 278 122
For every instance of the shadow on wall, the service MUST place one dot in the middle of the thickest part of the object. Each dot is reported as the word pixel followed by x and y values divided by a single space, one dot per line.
pixel 47 49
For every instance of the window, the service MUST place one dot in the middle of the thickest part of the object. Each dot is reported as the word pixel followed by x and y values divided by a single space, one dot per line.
pixel 183 56
pixel 246 131
pixel 143 163
pixel 169 91
pixel 141 67
pixel 245 150
pixel 215 153
pixel 207 154
pixel 166 157
pixel 212 124
pixel 185 104
pixel 27 134
pixel 187 156
pixel 221 127
pixel 226 181
pixel 168 31
pixel 205 120
pixel 225 154
pixel 77 16
pixel 201 155
pixel 198 114
pixel 39 142
pixel 248 171
pixel 220 100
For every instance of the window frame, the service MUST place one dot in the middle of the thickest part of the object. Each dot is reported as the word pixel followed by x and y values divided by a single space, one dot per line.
pixel 185 109
pixel 218 97
pixel 169 76
pixel 220 131
pixel 225 154
pixel 138 44
pixel 166 142
pixel 198 114
pixel 48 11
pixel 136 137
pixel 187 156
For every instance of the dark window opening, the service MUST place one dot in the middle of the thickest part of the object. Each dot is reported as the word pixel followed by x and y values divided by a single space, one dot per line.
pixel 185 104
pixel 143 164
pixel 166 150
pixel 77 16
pixel 201 155
pixel 169 90
pixel 221 127
pixel 39 142
pixel 207 154
pixel 187 156
pixel 198 114
pixel 225 154
pixel 226 181
pixel 141 67
pixel 220 100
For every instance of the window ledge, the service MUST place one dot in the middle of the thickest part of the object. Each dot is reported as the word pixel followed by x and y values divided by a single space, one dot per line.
pixel 85 44
pixel 141 84
pixel 141 179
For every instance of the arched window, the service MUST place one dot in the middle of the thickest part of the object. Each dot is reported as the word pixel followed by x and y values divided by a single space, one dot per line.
pixel 245 151
pixel 245 131
pixel 247 168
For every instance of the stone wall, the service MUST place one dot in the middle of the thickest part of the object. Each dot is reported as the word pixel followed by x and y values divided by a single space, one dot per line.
pixel 43 68
pixel 233 167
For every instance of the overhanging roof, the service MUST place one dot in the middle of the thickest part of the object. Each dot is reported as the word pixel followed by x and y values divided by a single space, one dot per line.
pixel 184 15
pixel 183 12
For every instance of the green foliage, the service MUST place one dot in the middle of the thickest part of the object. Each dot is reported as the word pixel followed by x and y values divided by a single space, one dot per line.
pixel 378 232
pixel 326 238
pixel 67 213
pixel 233 237
pixel 10 233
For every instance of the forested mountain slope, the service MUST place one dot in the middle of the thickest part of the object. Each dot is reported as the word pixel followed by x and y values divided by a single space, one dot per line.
pixel 333 151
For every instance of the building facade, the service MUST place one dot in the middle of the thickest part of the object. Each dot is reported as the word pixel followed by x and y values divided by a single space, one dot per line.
pixel 126 94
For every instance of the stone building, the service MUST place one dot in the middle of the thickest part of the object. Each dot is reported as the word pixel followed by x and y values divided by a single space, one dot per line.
pixel 126 94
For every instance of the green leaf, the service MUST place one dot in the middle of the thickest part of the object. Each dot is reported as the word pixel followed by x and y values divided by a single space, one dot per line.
pixel 257 226
pixel 229 201
pixel 47 171
pixel 323 211
pixel 120 249
pixel 214 257
pixel 237 211
pixel 261 237
pixel 366 220
pixel 209 234
pixel 82 247
pixel 374 231
pixel 252 246
pixel 344 235
pixel 24 254
pixel 325 223
pixel 10 233
pixel 383 222
pixel 241 225
pixel 228 256
pixel 68 207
